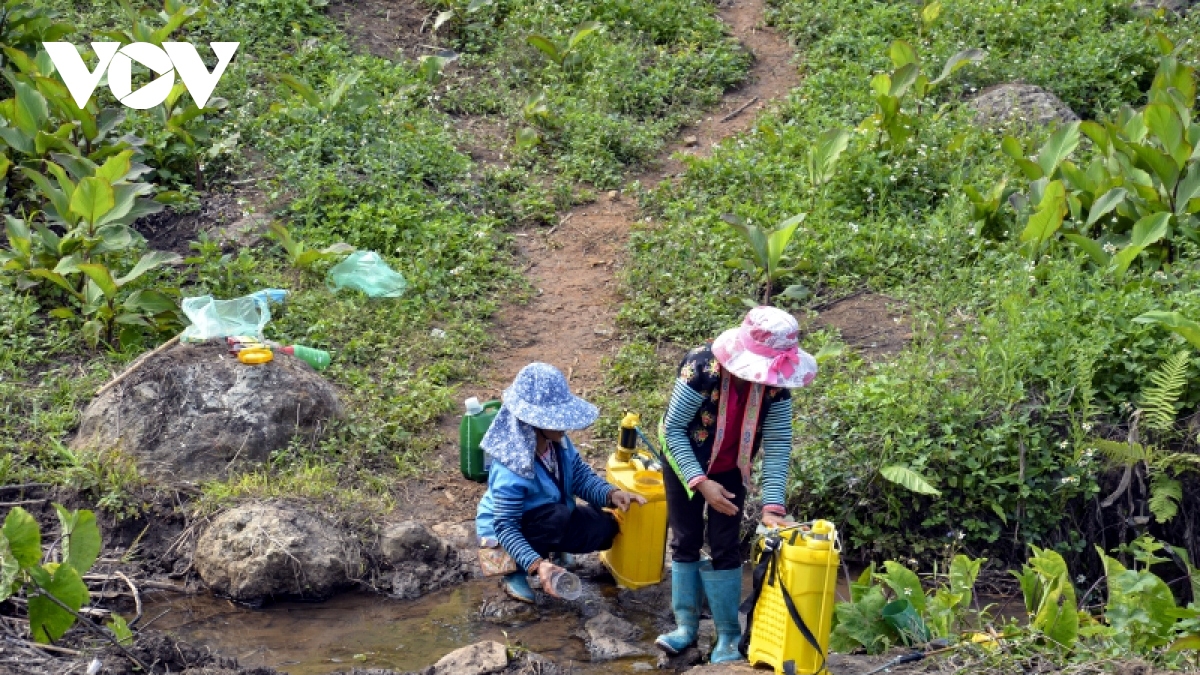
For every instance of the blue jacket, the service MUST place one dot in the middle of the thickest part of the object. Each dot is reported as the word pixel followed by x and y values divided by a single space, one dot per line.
pixel 509 496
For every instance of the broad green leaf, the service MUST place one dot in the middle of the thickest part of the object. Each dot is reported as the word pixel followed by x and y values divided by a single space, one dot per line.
pixel 58 199
pixel 581 32
pixel 68 264
pixel 881 84
pixel 963 573
pixel 116 167
pixel 125 200
pixel 830 351
pixel 905 583
pixel 301 87
pixel 1187 190
pixel 780 237
pixel 149 302
pixel 92 199
pixel 1093 248
pixel 1060 146
pixel 545 46
pixel 909 479
pixel 30 111
pixel 796 292
pixel 1146 231
pixel 24 537
pixel 55 278
pixel 81 538
pixel 959 61
pixel 1105 204
pixel 148 262
pixel 1176 322
pixel 1168 128
pixel 903 78
pixel 1160 163
pixel 930 12
pixel 113 238
pixel 1097 133
pixel 17 139
pixel 1012 147
pixel 1186 643
pixel 100 275
pixel 1049 215
pixel 755 238
pixel 902 54
pixel 830 146
pixel 18 234
pixel 48 621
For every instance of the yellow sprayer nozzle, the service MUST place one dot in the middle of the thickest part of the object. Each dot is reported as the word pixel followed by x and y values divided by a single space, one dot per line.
pixel 627 441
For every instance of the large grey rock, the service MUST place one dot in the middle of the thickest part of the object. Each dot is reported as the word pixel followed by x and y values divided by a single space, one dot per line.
pixel 1019 105
pixel 194 412
pixel 262 550
pixel 610 637
pixel 480 658
pixel 1179 7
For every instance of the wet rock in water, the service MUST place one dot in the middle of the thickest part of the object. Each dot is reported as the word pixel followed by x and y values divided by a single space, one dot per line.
pixel 1021 105
pixel 262 550
pixel 194 412
pixel 480 658
pixel 610 637
pixel 685 659
pixel 500 608
pixel 736 668
pixel 422 561
pixel 654 600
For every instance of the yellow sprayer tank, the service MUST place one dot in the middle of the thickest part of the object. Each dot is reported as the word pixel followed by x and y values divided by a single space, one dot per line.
pixel 808 566
pixel 636 556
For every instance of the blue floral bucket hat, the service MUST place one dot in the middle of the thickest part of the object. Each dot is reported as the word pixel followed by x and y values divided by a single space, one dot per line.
pixel 541 397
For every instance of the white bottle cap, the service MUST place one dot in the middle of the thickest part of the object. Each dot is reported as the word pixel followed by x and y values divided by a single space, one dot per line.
pixel 473 406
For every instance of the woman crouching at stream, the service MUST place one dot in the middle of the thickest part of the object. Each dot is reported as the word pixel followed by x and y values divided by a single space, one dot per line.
pixel 731 398
pixel 529 512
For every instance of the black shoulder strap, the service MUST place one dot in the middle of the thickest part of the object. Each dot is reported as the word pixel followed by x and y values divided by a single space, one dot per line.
pixel 767 569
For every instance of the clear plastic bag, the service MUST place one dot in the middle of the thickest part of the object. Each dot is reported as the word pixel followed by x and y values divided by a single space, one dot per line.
pixel 212 318
pixel 367 272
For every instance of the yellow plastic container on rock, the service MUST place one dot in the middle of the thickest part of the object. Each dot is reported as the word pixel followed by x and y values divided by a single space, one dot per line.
pixel 807 565
pixel 636 556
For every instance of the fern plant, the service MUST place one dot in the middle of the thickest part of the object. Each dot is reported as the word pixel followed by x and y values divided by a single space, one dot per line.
pixel 1166 387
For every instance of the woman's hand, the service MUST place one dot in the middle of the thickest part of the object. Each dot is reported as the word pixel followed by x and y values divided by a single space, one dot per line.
pixel 717 497
pixel 622 499
pixel 774 522
pixel 545 570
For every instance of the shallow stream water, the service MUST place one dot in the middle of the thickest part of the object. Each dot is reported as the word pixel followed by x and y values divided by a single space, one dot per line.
pixel 369 631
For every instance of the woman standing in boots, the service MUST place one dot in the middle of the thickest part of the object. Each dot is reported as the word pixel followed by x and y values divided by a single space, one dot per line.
pixel 731 399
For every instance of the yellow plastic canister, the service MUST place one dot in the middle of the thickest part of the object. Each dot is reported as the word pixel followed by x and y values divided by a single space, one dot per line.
pixel 636 556
pixel 808 567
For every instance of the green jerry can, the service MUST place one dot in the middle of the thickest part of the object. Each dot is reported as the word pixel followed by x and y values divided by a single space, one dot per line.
pixel 474 425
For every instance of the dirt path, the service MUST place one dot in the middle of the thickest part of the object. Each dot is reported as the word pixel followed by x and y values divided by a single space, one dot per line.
pixel 573 266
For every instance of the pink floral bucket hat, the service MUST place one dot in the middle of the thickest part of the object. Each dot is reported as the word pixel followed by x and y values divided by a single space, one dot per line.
pixel 765 350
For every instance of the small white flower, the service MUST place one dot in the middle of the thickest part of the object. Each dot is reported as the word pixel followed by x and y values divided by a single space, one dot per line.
pixel 1064 445
pixel 1087 426
pixel 1110 248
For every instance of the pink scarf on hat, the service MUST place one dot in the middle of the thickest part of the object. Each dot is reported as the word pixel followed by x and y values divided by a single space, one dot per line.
pixel 783 361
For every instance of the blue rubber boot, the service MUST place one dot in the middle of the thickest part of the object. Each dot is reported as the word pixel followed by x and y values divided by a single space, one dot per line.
pixel 724 591
pixel 516 585
pixel 686 596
